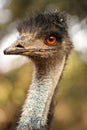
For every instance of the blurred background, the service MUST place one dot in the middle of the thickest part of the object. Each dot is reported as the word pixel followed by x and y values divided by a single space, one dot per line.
pixel 16 71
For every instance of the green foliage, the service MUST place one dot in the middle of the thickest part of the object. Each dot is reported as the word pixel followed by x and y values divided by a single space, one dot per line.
pixel 20 8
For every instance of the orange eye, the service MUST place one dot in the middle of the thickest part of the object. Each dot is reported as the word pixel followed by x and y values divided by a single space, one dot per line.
pixel 51 40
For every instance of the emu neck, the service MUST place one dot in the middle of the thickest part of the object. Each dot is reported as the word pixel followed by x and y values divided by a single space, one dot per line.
pixel 45 78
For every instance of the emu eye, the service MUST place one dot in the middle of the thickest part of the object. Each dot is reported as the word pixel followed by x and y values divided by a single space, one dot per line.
pixel 51 40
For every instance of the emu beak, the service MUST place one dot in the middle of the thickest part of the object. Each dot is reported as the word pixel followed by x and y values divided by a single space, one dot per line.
pixel 9 51
pixel 17 48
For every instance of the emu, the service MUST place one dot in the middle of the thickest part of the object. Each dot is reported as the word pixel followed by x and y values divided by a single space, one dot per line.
pixel 44 39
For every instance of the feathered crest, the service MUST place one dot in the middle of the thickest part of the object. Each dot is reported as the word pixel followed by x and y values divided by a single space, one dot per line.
pixel 44 20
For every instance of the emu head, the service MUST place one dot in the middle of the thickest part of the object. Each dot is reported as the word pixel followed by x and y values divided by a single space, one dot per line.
pixel 42 35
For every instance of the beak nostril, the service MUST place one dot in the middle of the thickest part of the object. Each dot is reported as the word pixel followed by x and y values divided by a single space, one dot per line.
pixel 20 46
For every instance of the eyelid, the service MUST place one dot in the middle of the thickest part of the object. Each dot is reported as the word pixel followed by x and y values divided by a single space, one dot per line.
pixel 52 33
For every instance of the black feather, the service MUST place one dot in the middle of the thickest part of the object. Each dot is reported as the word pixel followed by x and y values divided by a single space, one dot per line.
pixel 45 21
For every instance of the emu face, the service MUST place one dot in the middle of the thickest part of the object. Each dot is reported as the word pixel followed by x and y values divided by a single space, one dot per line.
pixel 43 35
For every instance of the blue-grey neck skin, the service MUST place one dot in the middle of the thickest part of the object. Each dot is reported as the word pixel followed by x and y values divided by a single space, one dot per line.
pixel 36 107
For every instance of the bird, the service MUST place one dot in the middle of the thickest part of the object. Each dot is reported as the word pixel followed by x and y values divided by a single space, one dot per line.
pixel 44 39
